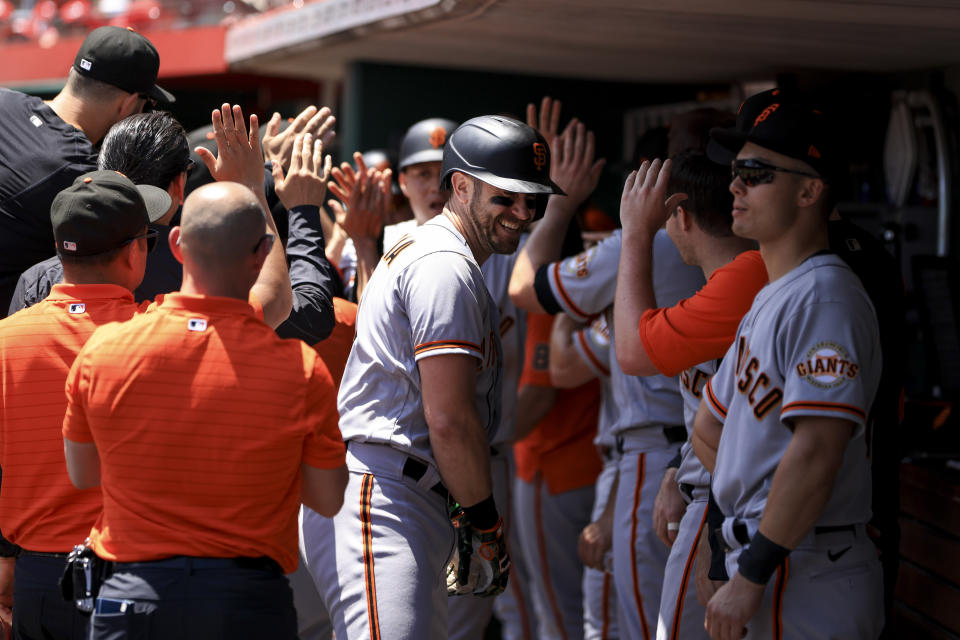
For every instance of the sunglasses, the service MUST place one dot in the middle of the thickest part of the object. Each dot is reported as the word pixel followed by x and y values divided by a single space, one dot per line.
pixel 149 104
pixel 753 172
pixel 150 235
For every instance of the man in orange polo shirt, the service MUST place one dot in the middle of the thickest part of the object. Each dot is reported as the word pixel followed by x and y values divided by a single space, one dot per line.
pixel 557 466
pixel 204 443
pixel 100 225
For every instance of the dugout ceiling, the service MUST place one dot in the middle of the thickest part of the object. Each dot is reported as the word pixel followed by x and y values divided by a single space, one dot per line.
pixel 623 40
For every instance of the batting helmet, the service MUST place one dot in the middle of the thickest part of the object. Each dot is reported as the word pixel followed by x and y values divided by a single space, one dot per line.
pixel 423 142
pixel 502 152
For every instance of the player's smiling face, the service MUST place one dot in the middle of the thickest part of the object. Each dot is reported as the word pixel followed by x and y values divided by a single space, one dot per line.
pixel 765 212
pixel 420 183
pixel 500 217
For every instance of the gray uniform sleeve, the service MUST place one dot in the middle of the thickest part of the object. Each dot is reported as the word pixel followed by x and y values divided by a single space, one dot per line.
pixel 830 361
pixel 582 285
pixel 718 392
pixel 441 294
pixel 593 345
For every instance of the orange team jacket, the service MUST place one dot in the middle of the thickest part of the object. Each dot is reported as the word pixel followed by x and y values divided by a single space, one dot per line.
pixel 335 348
pixel 702 327
pixel 40 509
pixel 202 417
pixel 560 447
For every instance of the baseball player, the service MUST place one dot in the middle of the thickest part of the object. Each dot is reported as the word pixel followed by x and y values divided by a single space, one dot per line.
pixel 698 220
pixel 428 331
pixel 649 426
pixel 781 426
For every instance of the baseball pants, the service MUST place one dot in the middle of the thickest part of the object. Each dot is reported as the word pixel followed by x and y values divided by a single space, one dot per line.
pixel 639 558
pixel 380 563
pixel 681 615
pixel 470 615
pixel 313 621
pixel 599 592
pixel 831 586
pixel 549 527
pixel 39 610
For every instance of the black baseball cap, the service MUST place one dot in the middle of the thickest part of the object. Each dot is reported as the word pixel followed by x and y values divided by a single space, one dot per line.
pixel 103 210
pixel 123 58
pixel 782 122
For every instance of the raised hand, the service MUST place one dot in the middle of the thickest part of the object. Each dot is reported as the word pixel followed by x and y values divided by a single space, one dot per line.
pixel 644 205
pixel 278 146
pixel 548 122
pixel 239 157
pixel 573 165
pixel 306 181
pixel 365 194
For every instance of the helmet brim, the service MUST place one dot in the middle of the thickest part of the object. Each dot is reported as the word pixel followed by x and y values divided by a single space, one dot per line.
pixel 427 155
pixel 513 185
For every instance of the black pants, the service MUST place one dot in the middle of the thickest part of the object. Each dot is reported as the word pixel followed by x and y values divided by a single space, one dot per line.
pixel 184 598
pixel 39 610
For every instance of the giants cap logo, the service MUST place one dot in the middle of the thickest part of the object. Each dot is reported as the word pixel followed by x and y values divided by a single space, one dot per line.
pixel 539 155
pixel 766 113
pixel 827 365
pixel 77 307
pixel 438 137
pixel 197 324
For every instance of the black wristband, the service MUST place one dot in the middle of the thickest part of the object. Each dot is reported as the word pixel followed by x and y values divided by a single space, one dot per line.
pixel 758 561
pixel 675 462
pixel 483 515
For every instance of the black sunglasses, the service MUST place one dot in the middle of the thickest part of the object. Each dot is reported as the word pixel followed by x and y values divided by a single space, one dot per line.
pixel 754 172
pixel 267 238
pixel 149 104
pixel 150 235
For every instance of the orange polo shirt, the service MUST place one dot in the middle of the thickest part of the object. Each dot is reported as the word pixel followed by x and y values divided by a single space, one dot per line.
pixel 202 417
pixel 703 326
pixel 561 446
pixel 40 509
pixel 335 349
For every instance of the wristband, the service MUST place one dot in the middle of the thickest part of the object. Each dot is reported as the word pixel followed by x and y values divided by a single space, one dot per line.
pixel 675 462
pixel 758 561
pixel 483 515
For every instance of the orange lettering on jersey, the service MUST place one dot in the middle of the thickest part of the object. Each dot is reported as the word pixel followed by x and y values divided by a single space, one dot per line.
pixel 766 113
pixel 438 137
pixel 751 381
pixel 762 380
pixel 747 377
pixel 694 383
pixel 539 155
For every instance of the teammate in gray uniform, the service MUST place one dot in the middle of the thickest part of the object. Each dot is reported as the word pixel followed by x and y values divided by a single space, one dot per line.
pixel 782 422
pixel 649 427
pixel 419 401
pixel 578 354
pixel 697 218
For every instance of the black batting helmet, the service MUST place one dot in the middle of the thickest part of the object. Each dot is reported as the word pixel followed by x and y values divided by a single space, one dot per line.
pixel 502 152
pixel 423 142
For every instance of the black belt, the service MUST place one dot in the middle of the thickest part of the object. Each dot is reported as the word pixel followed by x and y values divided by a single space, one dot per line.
pixel 414 469
pixel 263 563
pixel 42 554
pixel 674 435
pixel 687 489
pixel 743 536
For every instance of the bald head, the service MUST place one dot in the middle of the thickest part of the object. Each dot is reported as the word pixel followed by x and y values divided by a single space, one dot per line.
pixel 220 226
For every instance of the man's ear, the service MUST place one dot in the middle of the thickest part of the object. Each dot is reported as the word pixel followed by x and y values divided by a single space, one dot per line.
pixel 177 186
pixel 174 242
pixel 462 187
pixel 126 107
pixel 810 192
pixel 684 219
pixel 402 181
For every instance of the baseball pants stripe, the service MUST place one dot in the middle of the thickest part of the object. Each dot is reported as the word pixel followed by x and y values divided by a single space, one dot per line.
pixel 831 586
pixel 599 593
pixel 681 615
pixel 635 573
pixel 639 557
pixel 370 581
pixel 379 564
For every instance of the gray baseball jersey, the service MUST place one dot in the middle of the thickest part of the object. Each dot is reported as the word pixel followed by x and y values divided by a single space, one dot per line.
pixel 512 331
pixel 585 284
pixel 593 344
pixel 692 383
pixel 809 346
pixel 427 297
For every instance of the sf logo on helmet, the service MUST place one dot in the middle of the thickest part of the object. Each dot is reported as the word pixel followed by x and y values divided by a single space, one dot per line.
pixel 539 155
pixel 437 137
